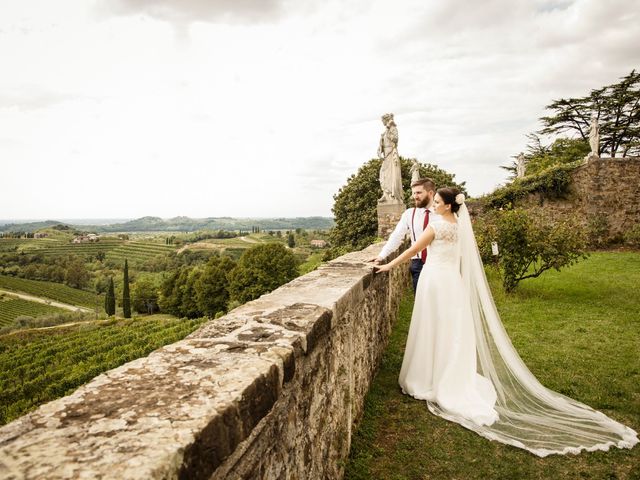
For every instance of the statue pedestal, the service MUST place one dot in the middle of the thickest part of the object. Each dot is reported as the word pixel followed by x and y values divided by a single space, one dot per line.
pixel 388 217
pixel 590 158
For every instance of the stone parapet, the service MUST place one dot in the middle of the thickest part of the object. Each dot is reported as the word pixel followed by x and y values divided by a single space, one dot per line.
pixel 271 390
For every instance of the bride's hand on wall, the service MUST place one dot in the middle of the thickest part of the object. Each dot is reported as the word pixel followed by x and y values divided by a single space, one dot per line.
pixel 381 268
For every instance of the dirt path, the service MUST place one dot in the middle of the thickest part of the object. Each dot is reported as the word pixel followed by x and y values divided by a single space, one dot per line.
pixel 46 301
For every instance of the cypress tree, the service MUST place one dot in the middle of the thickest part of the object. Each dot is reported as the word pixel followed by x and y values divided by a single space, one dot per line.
pixel 126 300
pixel 110 300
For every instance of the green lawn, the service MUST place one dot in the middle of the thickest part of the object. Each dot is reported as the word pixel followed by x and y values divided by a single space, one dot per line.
pixel 578 330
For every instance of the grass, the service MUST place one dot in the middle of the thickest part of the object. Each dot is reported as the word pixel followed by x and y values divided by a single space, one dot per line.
pixel 578 330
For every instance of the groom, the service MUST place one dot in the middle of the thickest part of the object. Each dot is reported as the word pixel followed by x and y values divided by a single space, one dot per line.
pixel 413 222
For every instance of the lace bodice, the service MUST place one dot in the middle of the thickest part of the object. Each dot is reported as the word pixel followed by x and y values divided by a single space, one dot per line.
pixel 444 247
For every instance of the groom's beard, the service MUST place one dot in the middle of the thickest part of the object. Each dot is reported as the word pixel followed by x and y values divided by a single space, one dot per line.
pixel 422 204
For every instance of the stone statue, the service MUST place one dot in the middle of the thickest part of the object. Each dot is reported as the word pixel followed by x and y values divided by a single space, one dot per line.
pixel 520 166
pixel 415 170
pixel 594 137
pixel 390 172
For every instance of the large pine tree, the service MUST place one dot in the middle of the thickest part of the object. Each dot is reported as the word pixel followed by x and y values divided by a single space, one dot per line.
pixel 126 300
pixel 110 299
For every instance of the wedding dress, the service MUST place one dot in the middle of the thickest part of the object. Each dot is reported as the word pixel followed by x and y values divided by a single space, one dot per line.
pixel 459 358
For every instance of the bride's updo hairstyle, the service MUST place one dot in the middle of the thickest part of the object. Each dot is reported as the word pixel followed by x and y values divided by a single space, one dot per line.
pixel 448 196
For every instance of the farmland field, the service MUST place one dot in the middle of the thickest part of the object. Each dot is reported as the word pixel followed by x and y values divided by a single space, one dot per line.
pixel 138 251
pixel 39 366
pixel 54 291
pixel 12 308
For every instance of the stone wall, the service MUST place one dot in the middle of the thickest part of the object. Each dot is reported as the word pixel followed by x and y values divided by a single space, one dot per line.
pixel 605 191
pixel 270 391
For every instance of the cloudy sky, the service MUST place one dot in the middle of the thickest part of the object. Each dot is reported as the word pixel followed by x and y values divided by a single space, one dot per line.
pixel 262 108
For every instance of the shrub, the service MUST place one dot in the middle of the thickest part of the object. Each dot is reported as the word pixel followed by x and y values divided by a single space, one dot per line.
pixel 551 183
pixel 598 229
pixel 529 243
pixel 632 236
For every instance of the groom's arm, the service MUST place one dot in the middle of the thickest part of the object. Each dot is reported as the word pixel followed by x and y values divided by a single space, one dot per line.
pixel 396 238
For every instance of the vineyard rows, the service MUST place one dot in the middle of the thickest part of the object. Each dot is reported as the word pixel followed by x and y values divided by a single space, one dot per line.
pixel 139 251
pixel 81 249
pixel 12 309
pixel 54 291
pixel 116 250
pixel 37 367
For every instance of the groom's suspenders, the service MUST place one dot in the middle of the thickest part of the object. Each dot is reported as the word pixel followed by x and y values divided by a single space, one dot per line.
pixel 423 253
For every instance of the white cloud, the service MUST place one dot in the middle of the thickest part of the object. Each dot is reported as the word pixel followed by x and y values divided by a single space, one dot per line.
pixel 266 108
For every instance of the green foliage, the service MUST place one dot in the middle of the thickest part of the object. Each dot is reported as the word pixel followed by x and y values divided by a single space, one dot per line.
pixel 170 298
pixel 198 291
pixel 34 319
pixel 291 241
pixel 261 269
pixel 77 275
pixel 212 288
pixel 13 308
pixel 617 108
pixel 598 230
pixel 110 299
pixel 632 236
pixel 355 204
pixel 145 296
pixel 562 151
pixel 126 298
pixel 551 183
pixel 54 291
pixel 529 243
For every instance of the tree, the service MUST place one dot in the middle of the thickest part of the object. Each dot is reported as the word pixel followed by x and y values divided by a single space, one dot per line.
pixel 188 294
pixel 77 275
pixel 355 204
pixel 169 299
pixel 291 241
pixel 261 269
pixel 212 287
pixel 110 299
pixel 529 242
pixel 145 296
pixel 126 300
pixel 617 108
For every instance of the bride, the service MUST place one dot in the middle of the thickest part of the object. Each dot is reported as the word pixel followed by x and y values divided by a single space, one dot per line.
pixel 460 360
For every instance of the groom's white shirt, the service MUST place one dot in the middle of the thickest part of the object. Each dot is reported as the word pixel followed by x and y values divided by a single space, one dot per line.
pixel 406 227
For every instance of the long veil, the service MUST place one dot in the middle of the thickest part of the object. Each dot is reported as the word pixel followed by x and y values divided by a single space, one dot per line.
pixel 530 415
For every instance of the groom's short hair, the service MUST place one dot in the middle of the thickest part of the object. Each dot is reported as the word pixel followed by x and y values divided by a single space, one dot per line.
pixel 426 183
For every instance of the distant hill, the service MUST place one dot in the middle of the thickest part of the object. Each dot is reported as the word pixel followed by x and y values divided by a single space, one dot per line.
pixel 183 224
pixel 28 226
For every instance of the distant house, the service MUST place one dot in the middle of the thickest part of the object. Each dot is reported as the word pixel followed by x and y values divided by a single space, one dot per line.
pixel 40 235
pixel 92 237
pixel 318 243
